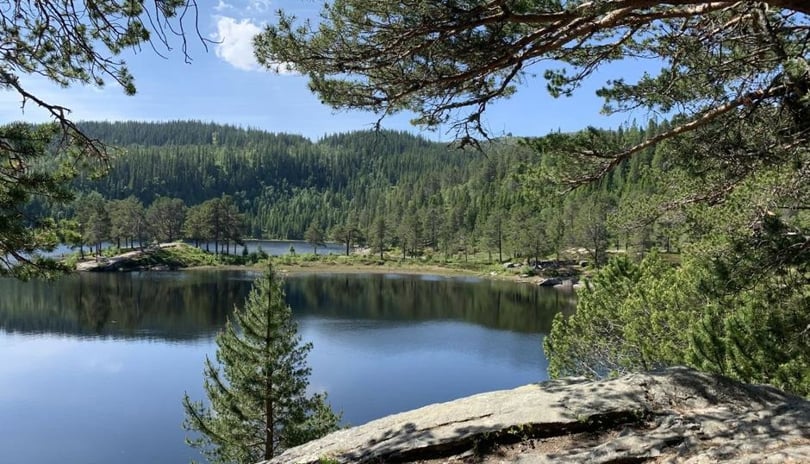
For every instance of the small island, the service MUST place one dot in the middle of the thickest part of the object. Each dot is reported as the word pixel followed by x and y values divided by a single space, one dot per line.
pixel 180 255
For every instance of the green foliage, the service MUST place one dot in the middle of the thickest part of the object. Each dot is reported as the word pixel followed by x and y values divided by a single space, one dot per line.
pixel 447 61
pixel 389 190
pixel 591 228
pixel 526 270
pixel 434 202
pixel 755 326
pixel 258 404
pixel 93 219
pixel 379 236
pixel 67 43
pixel 128 221
pixel 739 299
pixel 179 256
pixel 28 172
pixel 729 171
pixel 314 236
pixel 216 220
pixel 630 317
pixel 165 217
pixel 747 322
pixel 762 340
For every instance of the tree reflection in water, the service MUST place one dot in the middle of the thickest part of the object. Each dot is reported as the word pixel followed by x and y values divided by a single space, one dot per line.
pixel 193 304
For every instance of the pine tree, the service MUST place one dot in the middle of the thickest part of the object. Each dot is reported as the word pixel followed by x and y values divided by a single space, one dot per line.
pixel 258 403
pixel 379 235
pixel 314 236
pixel 166 217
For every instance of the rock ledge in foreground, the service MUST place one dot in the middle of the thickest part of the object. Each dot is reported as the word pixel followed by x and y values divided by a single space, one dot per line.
pixel 674 415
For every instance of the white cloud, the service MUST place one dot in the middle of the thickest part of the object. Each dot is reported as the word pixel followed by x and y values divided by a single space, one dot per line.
pixel 222 5
pixel 235 45
pixel 259 6
pixel 236 42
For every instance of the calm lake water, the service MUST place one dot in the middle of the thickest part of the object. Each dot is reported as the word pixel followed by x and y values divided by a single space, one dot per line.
pixel 93 366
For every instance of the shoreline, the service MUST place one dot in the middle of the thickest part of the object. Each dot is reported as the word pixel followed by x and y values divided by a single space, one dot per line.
pixel 340 268
pixel 178 256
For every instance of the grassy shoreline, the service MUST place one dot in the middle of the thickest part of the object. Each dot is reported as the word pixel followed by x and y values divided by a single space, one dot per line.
pixel 186 257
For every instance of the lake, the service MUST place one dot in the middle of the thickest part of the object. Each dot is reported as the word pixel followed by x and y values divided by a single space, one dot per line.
pixel 93 367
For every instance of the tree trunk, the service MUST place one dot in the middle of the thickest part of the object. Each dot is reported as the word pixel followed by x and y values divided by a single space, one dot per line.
pixel 269 437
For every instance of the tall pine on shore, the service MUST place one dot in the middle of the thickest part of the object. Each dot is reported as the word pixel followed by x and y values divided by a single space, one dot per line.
pixel 257 400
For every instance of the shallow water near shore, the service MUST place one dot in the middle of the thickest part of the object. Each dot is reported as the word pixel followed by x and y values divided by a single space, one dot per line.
pixel 95 365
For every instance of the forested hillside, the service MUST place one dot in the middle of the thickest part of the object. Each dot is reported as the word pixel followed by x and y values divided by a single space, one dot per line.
pixel 385 189
pixel 743 257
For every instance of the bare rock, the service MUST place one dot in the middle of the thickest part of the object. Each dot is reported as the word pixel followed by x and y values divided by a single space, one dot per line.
pixel 675 415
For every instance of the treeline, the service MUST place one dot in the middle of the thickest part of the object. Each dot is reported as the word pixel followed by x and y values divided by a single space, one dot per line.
pixel 387 190
pixel 126 222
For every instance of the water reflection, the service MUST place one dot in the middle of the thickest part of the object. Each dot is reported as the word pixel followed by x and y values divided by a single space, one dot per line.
pixel 193 305
pixel 172 305
pixel 493 304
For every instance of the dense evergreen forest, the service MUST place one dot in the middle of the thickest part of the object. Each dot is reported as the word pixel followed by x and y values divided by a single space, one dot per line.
pixel 381 189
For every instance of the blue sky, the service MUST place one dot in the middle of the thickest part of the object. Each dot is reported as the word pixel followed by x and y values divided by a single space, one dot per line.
pixel 224 84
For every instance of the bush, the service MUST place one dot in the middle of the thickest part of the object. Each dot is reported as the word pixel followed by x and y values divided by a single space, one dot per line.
pixel 630 317
pixel 639 317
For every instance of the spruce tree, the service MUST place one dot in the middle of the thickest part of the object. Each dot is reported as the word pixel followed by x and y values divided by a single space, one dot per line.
pixel 257 390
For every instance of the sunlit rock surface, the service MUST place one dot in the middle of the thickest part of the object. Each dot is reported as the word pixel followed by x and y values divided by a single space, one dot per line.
pixel 675 415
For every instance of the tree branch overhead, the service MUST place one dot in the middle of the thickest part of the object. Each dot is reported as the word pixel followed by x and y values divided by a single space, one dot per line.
pixel 448 61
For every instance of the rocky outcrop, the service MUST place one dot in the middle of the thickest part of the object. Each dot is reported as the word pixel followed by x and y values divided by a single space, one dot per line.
pixel 675 415
pixel 146 259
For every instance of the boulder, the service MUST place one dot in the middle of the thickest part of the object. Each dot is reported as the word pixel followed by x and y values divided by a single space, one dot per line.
pixel 550 282
pixel 566 284
pixel 673 415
